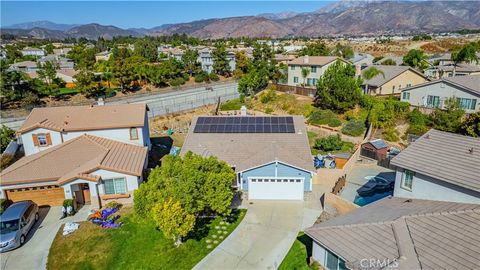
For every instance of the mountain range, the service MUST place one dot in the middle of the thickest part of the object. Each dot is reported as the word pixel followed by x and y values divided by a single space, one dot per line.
pixel 370 17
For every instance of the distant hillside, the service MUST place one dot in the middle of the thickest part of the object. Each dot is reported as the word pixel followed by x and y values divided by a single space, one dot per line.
pixel 42 24
pixel 369 17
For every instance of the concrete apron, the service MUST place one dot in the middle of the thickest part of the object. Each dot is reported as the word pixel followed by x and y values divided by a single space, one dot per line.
pixel 263 238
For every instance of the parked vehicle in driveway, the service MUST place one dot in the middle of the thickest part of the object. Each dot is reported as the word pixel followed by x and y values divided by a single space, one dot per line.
pixel 375 184
pixel 15 223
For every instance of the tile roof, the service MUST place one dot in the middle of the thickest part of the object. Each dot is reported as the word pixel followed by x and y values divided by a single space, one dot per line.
pixel 247 150
pixel 444 156
pixel 418 234
pixel 389 72
pixel 313 60
pixel 78 118
pixel 76 158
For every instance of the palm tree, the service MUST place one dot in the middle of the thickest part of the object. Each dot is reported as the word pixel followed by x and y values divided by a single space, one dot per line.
pixel 466 54
pixel 107 76
pixel 371 73
pixel 305 73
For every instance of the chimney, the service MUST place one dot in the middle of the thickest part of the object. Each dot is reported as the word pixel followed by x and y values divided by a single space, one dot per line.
pixel 305 59
pixel 100 102
pixel 243 111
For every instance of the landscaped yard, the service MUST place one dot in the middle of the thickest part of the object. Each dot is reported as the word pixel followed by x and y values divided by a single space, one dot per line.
pixel 313 137
pixel 297 256
pixel 138 244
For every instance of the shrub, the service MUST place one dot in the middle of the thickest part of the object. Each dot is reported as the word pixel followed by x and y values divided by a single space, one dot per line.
pixel 390 135
pixel 308 110
pixel 68 202
pixel 268 96
pixel 322 117
pixel 4 204
pixel 334 122
pixel 5 161
pixel 113 204
pixel 201 77
pixel 177 81
pixel 242 98
pixel 354 128
pixel 234 104
pixel 330 143
pixel 268 110
pixel 214 77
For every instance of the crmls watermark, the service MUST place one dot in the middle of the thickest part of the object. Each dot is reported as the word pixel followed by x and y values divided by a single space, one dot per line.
pixel 377 263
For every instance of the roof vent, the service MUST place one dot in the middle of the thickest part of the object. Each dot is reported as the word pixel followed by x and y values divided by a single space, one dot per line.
pixel 470 150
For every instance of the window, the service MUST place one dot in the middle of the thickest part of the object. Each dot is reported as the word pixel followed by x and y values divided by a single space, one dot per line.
pixel 466 103
pixel 292 68
pixel 315 81
pixel 409 84
pixel 313 69
pixel 115 186
pixel 295 79
pixel 407 180
pixel 399 86
pixel 333 262
pixel 133 133
pixel 309 81
pixel 393 89
pixel 42 139
pixel 406 95
pixel 433 101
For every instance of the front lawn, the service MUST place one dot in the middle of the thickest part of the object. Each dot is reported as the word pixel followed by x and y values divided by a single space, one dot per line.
pixel 138 244
pixel 297 256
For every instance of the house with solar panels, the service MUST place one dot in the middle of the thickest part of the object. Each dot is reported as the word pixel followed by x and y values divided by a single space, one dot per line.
pixel 270 154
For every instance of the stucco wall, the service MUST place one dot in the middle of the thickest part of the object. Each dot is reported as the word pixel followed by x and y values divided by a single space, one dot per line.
pixel 318 253
pixel 27 140
pixel 428 188
pixel 117 134
pixel 400 82
pixel 297 72
pixel 418 96
pixel 276 170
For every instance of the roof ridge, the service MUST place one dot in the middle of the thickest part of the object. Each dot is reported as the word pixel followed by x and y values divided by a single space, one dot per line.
pixel 43 153
pixel 444 213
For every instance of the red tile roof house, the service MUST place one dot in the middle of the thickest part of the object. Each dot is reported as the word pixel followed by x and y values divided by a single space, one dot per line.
pixel 94 155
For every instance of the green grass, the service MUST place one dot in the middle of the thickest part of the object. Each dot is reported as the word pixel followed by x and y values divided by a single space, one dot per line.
pixel 297 256
pixel 234 104
pixel 68 91
pixel 138 244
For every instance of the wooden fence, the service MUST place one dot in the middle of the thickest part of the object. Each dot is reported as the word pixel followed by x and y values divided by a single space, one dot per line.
pixel 303 91
pixel 339 185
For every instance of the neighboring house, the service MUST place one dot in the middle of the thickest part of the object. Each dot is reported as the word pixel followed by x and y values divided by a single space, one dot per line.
pixel 171 52
pixel 29 51
pixel 435 94
pixel 47 127
pixel 67 75
pixel 87 169
pixel 393 80
pixel 317 66
pixel 61 51
pixel 103 56
pixel 270 155
pixel 283 58
pixel 206 60
pixel 361 59
pixel 439 166
pixel 448 71
pixel 400 233
pixel 441 59
pixel 63 62
pixel 24 66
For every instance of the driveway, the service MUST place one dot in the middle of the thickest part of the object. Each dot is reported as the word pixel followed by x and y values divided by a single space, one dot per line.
pixel 34 253
pixel 264 236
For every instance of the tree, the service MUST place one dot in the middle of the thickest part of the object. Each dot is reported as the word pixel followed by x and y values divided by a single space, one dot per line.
pixel 471 125
pixel 337 88
pixel 190 61
pixel 147 49
pixel 85 80
pixel 389 62
pixel 343 51
pixel 49 48
pixel 108 77
pixel 47 73
pixel 416 58
pixel 315 49
pixel 173 220
pixel 6 136
pixel 371 73
pixel 449 119
pixel 305 73
pixel 241 64
pixel 220 61
pixel 467 53
pixel 261 69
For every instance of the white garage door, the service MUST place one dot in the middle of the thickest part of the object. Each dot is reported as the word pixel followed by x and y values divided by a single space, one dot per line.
pixel 275 188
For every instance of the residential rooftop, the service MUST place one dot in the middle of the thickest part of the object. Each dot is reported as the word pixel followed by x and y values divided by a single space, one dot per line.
pixel 389 72
pixel 313 60
pixel 416 234
pixel 76 158
pixel 78 118
pixel 445 156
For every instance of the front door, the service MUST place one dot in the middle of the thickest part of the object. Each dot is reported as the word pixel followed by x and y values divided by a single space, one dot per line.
pixel 86 193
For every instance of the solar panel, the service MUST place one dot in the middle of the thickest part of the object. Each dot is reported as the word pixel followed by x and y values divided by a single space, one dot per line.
pixel 245 124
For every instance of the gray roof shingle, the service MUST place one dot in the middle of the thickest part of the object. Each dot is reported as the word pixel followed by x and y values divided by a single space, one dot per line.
pixel 419 234
pixel 389 73
pixel 248 150
pixel 444 156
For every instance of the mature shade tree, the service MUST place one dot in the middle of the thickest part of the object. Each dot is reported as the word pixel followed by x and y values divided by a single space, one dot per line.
pixel 467 53
pixel 242 63
pixel 49 48
pixel 82 57
pixel 471 125
pixel 147 49
pixel 338 89
pixel 190 61
pixel 220 61
pixel 416 59
pixel 450 119
pixel 315 49
pixel 371 73
pixel 173 220
pixel 47 73
pixel 13 53
pixel 85 81
pixel 343 51
pixel 6 136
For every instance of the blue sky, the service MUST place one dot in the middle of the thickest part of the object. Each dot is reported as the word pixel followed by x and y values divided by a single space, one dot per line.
pixel 148 14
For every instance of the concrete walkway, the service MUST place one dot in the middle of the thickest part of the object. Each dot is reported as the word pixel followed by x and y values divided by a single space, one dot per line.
pixel 34 253
pixel 265 235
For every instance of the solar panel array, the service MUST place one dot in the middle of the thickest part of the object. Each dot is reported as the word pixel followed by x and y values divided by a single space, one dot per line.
pixel 245 124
